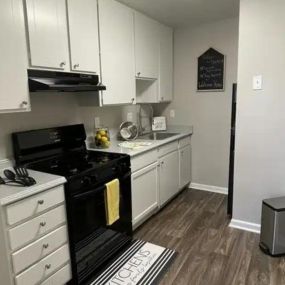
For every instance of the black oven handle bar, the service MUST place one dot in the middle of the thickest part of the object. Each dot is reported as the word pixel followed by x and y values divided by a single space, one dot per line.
pixel 98 189
pixel 90 193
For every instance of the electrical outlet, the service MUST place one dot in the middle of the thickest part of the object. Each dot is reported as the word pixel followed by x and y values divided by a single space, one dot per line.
pixel 130 117
pixel 97 122
pixel 172 113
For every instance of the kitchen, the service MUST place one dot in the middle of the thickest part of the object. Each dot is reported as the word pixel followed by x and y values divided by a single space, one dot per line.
pixel 147 68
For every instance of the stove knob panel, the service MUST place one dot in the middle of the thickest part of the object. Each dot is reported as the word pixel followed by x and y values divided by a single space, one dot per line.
pixel 86 181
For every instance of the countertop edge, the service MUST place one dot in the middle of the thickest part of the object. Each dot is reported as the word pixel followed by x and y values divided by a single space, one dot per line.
pixel 161 143
pixel 32 191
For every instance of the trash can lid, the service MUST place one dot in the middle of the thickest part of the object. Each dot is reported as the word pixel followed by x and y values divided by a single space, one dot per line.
pixel 277 204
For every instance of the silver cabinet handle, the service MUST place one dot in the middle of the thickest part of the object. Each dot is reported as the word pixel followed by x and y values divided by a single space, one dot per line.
pixel 40 202
pixel 139 73
pixel 62 64
pixel 76 65
pixel 42 224
pixel 24 103
pixel 48 266
pixel 45 245
pixel 162 162
pixel 133 100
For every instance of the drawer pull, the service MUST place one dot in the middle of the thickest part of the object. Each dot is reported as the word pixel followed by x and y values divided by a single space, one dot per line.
pixel 42 224
pixel 40 202
pixel 48 266
pixel 45 245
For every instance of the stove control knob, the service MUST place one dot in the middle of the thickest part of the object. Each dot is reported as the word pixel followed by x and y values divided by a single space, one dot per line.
pixel 86 181
pixel 94 178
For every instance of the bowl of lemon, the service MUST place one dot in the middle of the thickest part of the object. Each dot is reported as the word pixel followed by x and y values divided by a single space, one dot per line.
pixel 102 137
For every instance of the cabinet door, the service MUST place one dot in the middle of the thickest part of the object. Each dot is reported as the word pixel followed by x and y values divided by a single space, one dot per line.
pixel 144 193
pixel 117 52
pixel 83 35
pixel 185 166
pixel 169 177
pixel 146 46
pixel 166 64
pixel 14 92
pixel 47 25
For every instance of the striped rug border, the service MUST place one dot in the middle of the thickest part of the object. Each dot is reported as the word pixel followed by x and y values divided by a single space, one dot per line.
pixel 115 266
pixel 153 274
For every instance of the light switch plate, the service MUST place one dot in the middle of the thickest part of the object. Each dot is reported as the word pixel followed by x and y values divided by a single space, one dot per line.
pixel 257 82
pixel 172 113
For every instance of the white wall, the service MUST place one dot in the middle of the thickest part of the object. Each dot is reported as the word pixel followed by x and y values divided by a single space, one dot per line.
pixel 208 112
pixel 53 109
pixel 260 145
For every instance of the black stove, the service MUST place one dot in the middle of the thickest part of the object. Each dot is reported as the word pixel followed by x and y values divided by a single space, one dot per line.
pixel 62 151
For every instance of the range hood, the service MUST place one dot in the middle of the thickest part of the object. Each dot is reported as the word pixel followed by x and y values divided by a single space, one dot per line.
pixel 40 80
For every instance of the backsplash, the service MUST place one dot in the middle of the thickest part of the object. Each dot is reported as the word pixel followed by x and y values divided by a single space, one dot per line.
pixel 54 109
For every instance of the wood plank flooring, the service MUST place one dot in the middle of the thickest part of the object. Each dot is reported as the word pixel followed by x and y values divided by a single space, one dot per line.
pixel 195 224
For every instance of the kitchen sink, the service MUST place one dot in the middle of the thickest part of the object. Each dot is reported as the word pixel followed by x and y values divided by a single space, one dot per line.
pixel 157 136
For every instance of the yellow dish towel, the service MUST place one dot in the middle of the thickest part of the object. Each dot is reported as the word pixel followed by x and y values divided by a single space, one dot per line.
pixel 112 201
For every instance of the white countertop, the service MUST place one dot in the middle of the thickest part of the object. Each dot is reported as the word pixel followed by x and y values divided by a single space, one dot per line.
pixel 10 194
pixel 114 147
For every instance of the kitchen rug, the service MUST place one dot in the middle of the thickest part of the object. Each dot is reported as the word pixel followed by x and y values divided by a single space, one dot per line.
pixel 142 263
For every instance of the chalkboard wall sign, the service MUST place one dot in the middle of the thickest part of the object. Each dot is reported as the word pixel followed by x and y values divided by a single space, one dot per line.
pixel 211 69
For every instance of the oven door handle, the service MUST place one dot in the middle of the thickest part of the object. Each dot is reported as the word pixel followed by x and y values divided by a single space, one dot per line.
pixel 90 193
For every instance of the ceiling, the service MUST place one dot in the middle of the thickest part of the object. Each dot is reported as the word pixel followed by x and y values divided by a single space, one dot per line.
pixel 184 13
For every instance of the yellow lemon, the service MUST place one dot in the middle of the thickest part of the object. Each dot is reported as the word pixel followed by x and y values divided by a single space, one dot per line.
pixel 102 133
pixel 107 144
pixel 104 139
pixel 98 136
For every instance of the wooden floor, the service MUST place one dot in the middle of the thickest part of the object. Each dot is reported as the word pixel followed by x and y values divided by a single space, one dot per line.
pixel 195 224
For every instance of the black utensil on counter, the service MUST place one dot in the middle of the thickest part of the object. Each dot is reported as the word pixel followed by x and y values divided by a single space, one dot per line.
pixel 2 181
pixel 12 178
pixel 23 173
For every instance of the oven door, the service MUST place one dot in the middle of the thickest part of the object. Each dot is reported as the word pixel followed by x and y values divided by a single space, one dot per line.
pixel 95 243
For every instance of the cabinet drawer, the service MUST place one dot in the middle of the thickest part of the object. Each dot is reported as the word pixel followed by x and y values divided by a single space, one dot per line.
pixel 44 268
pixel 167 148
pixel 185 141
pixel 36 227
pixel 143 160
pixel 34 205
pixel 39 249
pixel 61 277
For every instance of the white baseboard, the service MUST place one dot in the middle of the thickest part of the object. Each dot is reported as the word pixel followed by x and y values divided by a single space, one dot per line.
pixel 209 188
pixel 246 226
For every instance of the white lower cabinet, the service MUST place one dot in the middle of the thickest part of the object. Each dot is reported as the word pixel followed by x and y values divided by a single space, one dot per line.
pixel 185 166
pixel 35 248
pixel 144 194
pixel 157 176
pixel 168 177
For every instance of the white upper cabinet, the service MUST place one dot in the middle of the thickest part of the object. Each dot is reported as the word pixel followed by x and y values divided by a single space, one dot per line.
pixel 14 94
pixel 83 35
pixel 165 64
pixel 48 37
pixel 117 52
pixel 146 46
